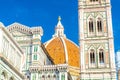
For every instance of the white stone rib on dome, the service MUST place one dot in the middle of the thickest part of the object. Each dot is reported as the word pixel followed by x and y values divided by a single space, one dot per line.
pixel 65 49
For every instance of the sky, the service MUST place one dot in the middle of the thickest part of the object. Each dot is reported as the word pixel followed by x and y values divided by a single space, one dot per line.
pixel 45 13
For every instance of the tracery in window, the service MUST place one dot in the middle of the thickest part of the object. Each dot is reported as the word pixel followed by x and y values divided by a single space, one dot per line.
pixel 99 25
pixel 91 27
pixel 92 56
pixel 101 56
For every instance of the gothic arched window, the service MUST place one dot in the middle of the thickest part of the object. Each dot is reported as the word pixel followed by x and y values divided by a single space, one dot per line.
pixel 91 28
pixel 101 56
pixel 99 25
pixel 92 56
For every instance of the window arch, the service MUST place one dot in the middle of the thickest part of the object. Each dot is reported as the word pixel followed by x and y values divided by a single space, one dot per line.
pixel 92 56
pixel 101 56
pixel 91 26
pixel 99 25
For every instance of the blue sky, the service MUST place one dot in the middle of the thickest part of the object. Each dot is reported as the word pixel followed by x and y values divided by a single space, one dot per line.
pixel 45 13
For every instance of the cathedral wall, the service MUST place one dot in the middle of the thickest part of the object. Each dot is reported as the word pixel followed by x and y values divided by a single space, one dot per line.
pixel 10 50
pixel 6 73
pixel 11 57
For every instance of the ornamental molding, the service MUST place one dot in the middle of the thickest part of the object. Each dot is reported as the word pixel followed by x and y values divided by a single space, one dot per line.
pixel 60 67
pixel 25 29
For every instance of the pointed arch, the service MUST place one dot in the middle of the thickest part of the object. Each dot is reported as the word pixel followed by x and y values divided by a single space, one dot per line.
pixel 91 25
pixel 92 55
pixel 99 24
pixel 91 47
pixel 101 55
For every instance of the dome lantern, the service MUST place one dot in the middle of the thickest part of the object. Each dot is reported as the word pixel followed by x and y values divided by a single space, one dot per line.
pixel 59 29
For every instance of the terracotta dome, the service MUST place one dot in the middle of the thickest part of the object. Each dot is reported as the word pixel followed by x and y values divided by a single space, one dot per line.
pixel 61 49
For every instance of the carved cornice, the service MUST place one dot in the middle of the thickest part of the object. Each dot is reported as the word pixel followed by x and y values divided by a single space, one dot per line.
pixel 60 67
pixel 25 29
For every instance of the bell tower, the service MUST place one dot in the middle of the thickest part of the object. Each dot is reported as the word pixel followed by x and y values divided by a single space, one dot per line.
pixel 96 40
